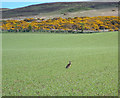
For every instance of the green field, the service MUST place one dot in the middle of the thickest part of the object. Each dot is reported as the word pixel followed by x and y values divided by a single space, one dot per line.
pixel 34 64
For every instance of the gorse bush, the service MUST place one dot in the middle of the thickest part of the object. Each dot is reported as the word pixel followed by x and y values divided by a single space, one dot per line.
pixel 109 23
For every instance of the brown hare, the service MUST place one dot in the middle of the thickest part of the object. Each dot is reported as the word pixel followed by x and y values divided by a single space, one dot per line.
pixel 68 65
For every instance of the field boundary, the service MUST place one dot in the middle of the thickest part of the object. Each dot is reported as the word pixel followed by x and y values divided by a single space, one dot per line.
pixel 61 31
pixel 0 65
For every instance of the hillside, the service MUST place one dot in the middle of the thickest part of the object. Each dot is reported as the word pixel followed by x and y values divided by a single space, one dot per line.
pixel 63 9
pixel 4 9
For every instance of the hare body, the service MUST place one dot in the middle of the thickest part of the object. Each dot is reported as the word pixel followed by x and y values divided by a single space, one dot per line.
pixel 68 65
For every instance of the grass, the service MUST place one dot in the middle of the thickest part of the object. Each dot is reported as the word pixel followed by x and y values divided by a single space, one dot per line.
pixel 34 64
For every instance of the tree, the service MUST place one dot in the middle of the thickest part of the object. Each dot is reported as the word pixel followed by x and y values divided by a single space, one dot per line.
pixel 82 27
pixel 29 28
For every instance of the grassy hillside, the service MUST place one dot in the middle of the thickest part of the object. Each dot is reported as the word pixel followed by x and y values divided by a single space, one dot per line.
pixel 4 9
pixel 34 64
pixel 59 8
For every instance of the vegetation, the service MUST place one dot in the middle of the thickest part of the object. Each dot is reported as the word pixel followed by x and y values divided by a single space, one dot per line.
pixel 77 9
pixel 34 64
pixel 99 23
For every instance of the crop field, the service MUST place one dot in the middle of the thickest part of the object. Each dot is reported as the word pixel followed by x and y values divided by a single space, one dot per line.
pixel 34 64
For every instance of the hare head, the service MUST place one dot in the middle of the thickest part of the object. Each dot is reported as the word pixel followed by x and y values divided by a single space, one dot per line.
pixel 69 62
